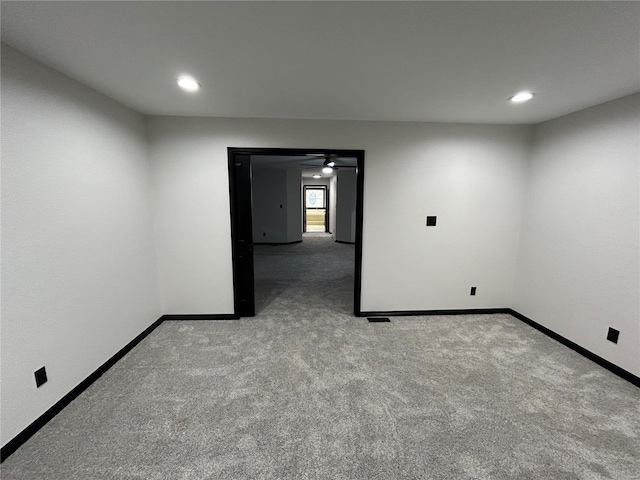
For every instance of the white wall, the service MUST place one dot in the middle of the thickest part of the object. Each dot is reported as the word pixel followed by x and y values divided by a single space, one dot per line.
pixel 269 188
pixel 78 256
pixel 579 264
pixel 346 206
pixel 294 206
pixel 326 181
pixel 333 198
pixel 470 176
pixel 277 205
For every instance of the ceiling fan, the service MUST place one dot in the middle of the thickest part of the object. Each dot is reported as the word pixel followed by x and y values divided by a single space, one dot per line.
pixel 328 162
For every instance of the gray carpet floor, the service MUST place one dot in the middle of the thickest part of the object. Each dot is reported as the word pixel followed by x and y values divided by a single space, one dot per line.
pixel 306 391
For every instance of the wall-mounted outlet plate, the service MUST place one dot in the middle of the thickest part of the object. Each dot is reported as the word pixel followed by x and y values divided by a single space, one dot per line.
pixel 41 377
pixel 613 335
pixel 431 221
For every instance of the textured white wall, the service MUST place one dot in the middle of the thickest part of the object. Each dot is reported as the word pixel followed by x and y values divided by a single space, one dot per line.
pixel 346 206
pixel 78 255
pixel 294 206
pixel 333 202
pixel 269 188
pixel 579 265
pixel 471 176
pixel 326 181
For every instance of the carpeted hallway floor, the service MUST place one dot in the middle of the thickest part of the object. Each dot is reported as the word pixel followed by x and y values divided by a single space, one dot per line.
pixel 306 391
pixel 303 280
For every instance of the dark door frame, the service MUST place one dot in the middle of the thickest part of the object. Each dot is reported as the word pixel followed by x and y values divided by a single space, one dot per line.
pixel 241 221
pixel 326 206
pixel 241 206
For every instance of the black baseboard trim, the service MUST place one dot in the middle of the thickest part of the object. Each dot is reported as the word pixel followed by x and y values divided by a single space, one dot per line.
pixel 346 243
pixel 202 316
pixel 13 444
pixel 275 244
pixel 621 372
pixel 410 313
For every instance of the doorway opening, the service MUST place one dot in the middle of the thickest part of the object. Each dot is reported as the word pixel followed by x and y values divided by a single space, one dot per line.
pixel 242 221
pixel 316 212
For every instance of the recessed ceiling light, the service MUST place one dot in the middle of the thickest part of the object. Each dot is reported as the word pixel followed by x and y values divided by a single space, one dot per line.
pixel 327 170
pixel 188 83
pixel 317 176
pixel 522 97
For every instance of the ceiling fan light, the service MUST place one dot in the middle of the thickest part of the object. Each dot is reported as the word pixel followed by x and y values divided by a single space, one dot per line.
pixel 327 170
pixel 328 162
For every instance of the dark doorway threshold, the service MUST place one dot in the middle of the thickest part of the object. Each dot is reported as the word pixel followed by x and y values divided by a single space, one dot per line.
pixel 241 220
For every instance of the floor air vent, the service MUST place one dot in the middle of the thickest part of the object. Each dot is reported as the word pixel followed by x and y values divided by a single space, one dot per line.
pixel 378 319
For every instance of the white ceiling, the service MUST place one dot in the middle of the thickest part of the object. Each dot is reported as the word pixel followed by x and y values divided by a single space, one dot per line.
pixel 408 61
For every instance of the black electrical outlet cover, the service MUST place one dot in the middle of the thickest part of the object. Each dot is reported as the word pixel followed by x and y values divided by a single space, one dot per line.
pixel 473 290
pixel 41 377
pixel 431 221
pixel 613 335
pixel 378 319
